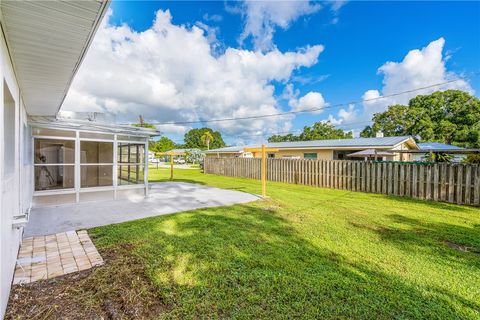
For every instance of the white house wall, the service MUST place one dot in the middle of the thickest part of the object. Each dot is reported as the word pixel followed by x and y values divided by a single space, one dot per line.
pixel 15 195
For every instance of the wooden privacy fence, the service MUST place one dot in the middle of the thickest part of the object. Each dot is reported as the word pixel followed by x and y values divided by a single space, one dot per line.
pixel 455 183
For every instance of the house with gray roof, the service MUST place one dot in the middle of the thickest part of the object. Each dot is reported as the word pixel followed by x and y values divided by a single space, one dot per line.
pixel 436 147
pixel 334 149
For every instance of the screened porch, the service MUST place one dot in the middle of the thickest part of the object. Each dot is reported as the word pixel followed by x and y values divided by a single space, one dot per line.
pixel 88 162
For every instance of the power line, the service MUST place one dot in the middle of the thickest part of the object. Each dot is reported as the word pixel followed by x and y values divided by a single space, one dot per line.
pixel 297 131
pixel 305 110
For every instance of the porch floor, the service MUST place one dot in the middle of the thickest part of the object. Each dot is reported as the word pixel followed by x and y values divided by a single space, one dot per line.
pixel 163 198
pixel 46 257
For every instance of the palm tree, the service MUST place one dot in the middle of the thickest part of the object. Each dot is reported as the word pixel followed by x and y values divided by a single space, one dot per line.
pixel 207 137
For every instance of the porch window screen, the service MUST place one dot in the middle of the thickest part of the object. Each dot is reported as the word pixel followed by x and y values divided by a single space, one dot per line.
pixel 54 164
pixel 96 159
pixel 131 163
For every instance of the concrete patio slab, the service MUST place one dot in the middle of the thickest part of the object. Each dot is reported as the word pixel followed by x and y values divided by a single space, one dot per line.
pixel 163 198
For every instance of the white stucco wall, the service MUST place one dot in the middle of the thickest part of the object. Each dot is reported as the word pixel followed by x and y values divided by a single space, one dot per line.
pixel 15 186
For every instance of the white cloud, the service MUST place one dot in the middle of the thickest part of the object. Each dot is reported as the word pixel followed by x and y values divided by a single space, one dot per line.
pixel 305 79
pixel 344 115
pixel 419 68
pixel 168 73
pixel 173 129
pixel 216 46
pixel 312 100
pixel 263 17
pixel 289 92
pixel 335 7
pixel 212 17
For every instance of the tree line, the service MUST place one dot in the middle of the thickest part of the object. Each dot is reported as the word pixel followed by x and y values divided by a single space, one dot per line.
pixel 199 138
pixel 450 116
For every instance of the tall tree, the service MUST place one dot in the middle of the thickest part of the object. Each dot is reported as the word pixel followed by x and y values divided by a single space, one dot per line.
pixel 323 131
pixel 318 131
pixel 193 139
pixel 280 138
pixel 367 132
pixel 161 145
pixel 451 116
pixel 207 137
pixel 392 122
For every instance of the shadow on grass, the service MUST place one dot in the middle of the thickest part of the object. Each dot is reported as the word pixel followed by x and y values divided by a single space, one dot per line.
pixel 451 243
pixel 246 262
pixel 457 238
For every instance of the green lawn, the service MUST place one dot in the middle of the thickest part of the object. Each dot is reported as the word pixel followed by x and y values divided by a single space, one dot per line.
pixel 309 253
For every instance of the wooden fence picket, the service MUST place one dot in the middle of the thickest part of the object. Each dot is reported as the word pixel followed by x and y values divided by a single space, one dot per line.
pixel 428 182
pixel 454 183
pixel 459 184
pixel 476 186
pixel 468 183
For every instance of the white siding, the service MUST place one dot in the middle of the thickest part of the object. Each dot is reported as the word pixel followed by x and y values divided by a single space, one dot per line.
pixel 15 186
pixel 47 41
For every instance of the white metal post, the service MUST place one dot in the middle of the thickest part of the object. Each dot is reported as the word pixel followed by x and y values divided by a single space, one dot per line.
pixel 115 166
pixel 17 164
pixel 145 170
pixel 77 175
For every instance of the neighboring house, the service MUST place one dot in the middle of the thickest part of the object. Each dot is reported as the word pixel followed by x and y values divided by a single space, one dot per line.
pixel 438 147
pixel 46 158
pixel 178 151
pixel 151 155
pixel 193 155
pixel 337 149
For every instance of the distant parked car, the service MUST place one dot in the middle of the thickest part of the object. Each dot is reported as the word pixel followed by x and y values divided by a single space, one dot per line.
pixel 179 160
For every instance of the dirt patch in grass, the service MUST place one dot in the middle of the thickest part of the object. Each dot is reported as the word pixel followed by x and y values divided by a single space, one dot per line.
pixel 117 290
pixel 460 247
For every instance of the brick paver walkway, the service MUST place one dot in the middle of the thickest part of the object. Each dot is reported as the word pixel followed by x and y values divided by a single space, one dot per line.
pixel 46 257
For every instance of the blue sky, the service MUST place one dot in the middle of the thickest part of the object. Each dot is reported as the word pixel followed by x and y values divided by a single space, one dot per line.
pixel 358 39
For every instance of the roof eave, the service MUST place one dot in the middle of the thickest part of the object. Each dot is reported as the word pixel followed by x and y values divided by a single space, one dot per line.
pixel 409 141
pixel 85 45
pixel 95 127
pixel 98 21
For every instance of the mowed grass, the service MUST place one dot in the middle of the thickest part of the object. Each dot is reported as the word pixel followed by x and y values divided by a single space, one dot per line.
pixel 308 253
